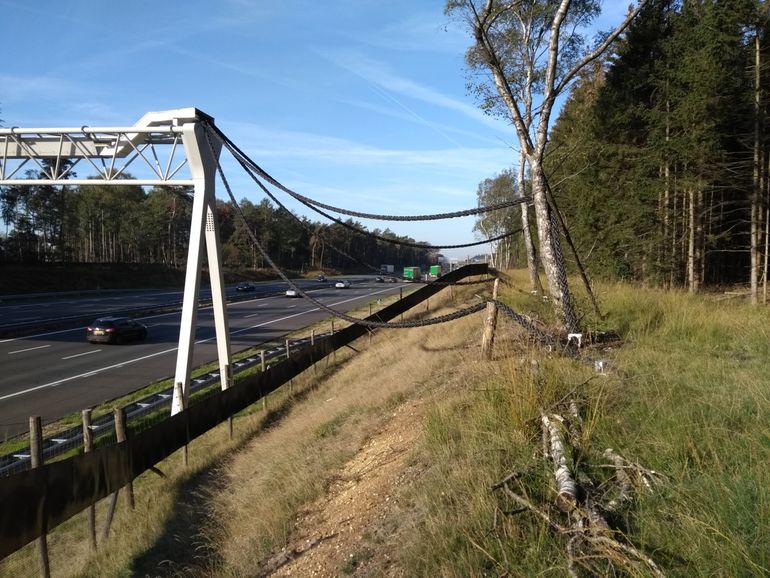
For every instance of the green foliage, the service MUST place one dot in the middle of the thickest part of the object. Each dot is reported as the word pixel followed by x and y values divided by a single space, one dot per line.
pixel 652 154
pixel 125 224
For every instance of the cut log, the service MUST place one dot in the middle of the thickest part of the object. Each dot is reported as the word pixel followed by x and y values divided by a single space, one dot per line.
pixel 566 488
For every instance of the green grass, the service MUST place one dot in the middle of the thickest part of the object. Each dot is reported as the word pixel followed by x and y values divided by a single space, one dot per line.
pixel 687 395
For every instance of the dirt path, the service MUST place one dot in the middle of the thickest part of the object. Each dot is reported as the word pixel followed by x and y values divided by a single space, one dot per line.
pixel 342 533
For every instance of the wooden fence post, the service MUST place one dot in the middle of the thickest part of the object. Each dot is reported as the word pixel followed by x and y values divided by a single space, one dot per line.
pixel 228 385
pixel 179 396
pixel 264 368
pixel 36 458
pixel 490 324
pixel 88 445
pixel 288 356
pixel 334 351
pixel 120 433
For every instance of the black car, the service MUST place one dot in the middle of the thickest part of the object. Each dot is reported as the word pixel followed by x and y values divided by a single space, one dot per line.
pixel 322 278
pixel 115 330
pixel 246 287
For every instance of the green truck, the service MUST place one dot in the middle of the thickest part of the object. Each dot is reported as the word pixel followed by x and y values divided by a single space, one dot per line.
pixel 435 271
pixel 412 273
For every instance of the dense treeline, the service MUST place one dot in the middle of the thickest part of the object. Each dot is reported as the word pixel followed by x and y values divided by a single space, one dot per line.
pixel 659 159
pixel 126 224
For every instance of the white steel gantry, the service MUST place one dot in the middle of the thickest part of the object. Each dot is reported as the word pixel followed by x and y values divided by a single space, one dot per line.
pixel 165 148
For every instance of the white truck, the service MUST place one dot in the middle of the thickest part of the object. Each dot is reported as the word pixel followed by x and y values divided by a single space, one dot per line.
pixel 387 269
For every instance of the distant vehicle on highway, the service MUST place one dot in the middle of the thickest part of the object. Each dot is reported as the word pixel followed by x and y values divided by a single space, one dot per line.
pixel 292 293
pixel 342 284
pixel 322 278
pixel 391 280
pixel 115 330
pixel 245 286
pixel 379 280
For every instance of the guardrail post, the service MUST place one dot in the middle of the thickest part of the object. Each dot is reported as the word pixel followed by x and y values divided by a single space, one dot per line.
pixel 88 445
pixel 121 435
pixel 401 296
pixel 36 458
pixel 312 337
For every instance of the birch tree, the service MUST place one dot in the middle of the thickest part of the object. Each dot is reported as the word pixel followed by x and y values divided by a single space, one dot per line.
pixel 531 50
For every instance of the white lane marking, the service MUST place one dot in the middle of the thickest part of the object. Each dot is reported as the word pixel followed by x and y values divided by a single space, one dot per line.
pixel 156 354
pixel 87 374
pixel 82 354
pixel 250 315
pixel 29 337
pixel 96 371
pixel 28 349
pixel 37 335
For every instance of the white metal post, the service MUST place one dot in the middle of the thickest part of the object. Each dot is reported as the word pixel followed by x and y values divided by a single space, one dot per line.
pixel 214 253
pixel 203 169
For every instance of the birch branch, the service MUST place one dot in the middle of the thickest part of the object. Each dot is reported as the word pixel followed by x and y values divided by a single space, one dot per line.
pixel 566 498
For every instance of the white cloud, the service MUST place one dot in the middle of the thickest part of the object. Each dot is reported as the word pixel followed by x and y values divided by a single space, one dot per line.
pixel 15 89
pixel 422 32
pixel 382 76
pixel 260 143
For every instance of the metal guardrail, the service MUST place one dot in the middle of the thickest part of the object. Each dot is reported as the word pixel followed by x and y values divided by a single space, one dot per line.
pixel 71 438
pixel 72 321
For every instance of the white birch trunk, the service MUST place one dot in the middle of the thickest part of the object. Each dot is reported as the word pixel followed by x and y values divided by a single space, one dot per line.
pixel 756 210
pixel 532 261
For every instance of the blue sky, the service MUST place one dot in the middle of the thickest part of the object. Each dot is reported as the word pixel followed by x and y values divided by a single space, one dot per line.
pixel 357 103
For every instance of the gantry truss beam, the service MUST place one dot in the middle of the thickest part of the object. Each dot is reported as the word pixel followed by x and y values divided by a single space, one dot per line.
pixel 148 153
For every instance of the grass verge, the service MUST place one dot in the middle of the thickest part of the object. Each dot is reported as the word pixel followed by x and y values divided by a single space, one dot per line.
pixel 684 394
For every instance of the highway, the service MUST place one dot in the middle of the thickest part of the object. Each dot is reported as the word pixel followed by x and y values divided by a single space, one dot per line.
pixel 57 372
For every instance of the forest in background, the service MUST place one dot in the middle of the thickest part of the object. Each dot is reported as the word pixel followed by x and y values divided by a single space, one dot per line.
pixel 659 158
pixel 126 224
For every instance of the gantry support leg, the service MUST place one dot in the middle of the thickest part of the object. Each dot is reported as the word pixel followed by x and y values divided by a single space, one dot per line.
pixel 202 161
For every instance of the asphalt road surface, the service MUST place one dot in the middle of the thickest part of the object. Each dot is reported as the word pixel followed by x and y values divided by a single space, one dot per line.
pixel 54 373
